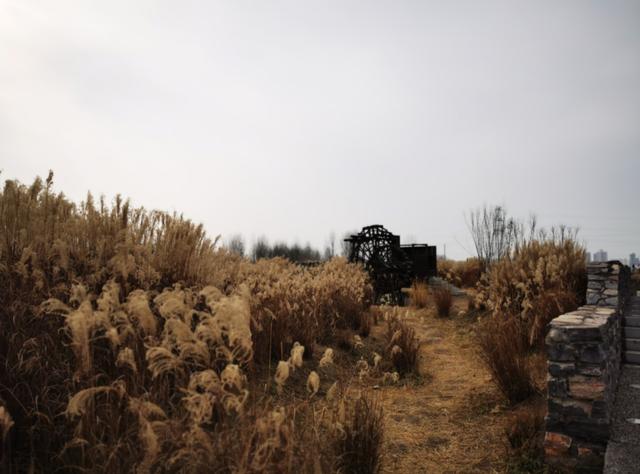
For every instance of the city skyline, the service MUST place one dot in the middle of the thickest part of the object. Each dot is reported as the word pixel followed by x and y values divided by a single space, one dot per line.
pixel 601 255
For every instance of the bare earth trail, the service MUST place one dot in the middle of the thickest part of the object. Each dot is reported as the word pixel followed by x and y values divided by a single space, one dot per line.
pixel 451 420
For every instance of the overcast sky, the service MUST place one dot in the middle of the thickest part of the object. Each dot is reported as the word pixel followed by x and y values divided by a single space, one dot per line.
pixel 292 119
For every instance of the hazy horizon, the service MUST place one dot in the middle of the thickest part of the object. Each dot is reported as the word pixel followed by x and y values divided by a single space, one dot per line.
pixel 293 120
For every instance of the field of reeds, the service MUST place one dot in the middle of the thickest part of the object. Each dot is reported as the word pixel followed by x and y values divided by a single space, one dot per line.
pixel 131 342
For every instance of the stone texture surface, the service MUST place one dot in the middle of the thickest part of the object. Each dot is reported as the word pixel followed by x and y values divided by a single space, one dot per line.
pixel 584 354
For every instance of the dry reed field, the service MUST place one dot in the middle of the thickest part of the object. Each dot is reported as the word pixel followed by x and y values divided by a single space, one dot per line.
pixel 132 342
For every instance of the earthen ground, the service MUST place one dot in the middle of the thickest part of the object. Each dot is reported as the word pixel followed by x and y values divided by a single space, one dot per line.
pixel 451 418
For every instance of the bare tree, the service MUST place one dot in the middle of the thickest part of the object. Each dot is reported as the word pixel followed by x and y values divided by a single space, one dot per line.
pixel 345 247
pixel 260 249
pixel 332 243
pixel 236 245
pixel 494 234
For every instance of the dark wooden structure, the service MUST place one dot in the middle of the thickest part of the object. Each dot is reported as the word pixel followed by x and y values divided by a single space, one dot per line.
pixel 424 260
pixel 390 265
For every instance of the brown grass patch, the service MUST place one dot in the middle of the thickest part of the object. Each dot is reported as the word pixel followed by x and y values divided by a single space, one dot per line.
pixel 443 300
pixel 525 433
pixel 504 350
pixel 402 345
pixel 419 293
pixel 359 445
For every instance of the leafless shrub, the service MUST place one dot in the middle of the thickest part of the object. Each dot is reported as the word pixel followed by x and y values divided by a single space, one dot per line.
pixel 494 233
pixel 236 245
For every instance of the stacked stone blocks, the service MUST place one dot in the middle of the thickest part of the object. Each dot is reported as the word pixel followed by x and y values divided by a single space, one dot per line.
pixel 583 350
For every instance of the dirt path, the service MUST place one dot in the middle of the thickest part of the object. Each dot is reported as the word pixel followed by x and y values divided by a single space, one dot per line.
pixel 451 420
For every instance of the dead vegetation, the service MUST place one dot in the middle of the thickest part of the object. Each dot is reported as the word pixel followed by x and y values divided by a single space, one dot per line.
pixel 504 350
pixel 463 274
pixel 443 300
pixel 525 433
pixel 360 437
pixel 419 294
pixel 402 345
pixel 523 292
pixel 129 341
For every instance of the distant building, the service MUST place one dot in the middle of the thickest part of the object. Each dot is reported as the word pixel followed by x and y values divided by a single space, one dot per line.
pixel 600 256
pixel 633 260
pixel 588 257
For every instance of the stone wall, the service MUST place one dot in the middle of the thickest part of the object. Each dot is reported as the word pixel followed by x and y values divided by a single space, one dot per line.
pixel 583 349
pixel 608 284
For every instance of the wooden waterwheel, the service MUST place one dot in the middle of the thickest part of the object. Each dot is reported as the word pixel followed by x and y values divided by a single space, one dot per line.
pixel 378 250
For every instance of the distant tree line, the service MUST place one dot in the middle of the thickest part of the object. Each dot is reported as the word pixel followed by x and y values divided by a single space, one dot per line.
pixel 294 252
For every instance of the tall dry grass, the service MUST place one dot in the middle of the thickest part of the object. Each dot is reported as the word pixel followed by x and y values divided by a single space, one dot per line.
pixel 129 342
pixel 402 344
pixel 419 293
pixel 443 299
pixel 539 281
pixel 463 274
pixel 305 304
pixel 503 347
pixel 523 292
pixel 359 443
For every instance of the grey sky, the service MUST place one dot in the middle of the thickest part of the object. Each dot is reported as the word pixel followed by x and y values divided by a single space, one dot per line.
pixel 293 119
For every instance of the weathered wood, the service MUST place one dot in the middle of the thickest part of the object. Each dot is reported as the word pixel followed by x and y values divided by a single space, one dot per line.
pixel 390 267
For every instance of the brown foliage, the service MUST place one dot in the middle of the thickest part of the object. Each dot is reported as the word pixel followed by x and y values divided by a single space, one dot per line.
pixel 402 345
pixel 292 303
pixel 540 281
pixel 504 350
pixel 419 292
pixel 463 274
pixel 443 300
pixel 359 445
pixel 128 340
pixel 525 432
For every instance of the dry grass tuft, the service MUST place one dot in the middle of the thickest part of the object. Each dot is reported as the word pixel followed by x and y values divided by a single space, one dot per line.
pixel 419 292
pixel 359 442
pixel 402 345
pixel 443 300
pixel 504 350
pixel 525 433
